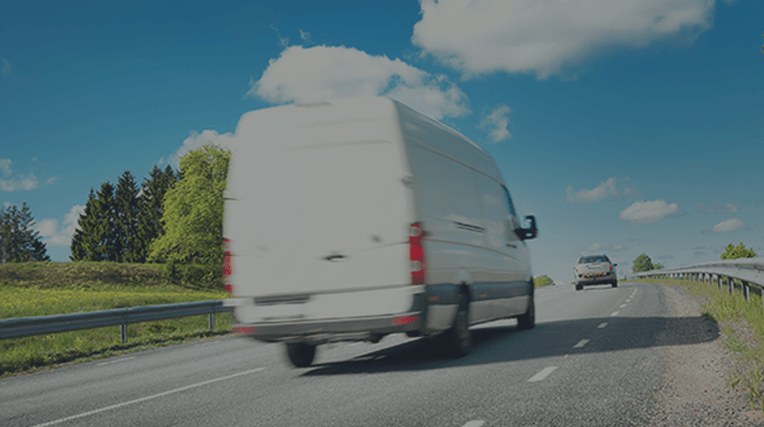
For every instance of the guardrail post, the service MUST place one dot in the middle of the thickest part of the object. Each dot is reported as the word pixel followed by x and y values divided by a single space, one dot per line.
pixel 212 321
pixel 746 290
pixel 719 282
pixel 123 331
pixel 731 284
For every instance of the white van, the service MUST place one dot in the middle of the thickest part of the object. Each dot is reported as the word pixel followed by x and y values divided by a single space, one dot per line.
pixel 353 219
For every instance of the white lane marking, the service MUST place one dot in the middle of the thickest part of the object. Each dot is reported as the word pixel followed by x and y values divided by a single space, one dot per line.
pixel 615 313
pixel 144 399
pixel 602 325
pixel 475 423
pixel 581 343
pixel 623 306
pixel 111 362
pixel 542 374
pixel 633 293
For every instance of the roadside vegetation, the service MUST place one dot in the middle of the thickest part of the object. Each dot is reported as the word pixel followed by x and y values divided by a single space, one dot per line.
pixel 742 326
pixel 44 288
pixel 543 280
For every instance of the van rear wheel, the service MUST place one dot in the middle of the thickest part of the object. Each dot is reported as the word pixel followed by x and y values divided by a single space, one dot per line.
pixel 457 341
pixel 528 320
pixel 301 354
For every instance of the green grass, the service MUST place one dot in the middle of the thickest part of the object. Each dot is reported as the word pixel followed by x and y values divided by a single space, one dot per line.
pixel 35 289
pixel 743 328
pixel 540 281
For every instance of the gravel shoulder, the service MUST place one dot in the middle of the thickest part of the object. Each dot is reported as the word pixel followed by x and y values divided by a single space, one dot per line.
pixel 695 388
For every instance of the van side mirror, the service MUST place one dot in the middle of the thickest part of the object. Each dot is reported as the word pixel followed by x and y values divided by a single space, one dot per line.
pixel 532 229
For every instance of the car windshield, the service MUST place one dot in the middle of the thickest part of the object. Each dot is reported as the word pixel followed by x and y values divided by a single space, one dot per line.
pixel 592 259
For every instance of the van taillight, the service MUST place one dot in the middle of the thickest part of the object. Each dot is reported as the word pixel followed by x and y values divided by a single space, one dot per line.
pixel 227 266
pixel 416 253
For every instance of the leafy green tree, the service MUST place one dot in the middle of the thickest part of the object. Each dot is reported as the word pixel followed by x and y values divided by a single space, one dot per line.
pixel 642 263
pixel 657 266
pixel 151 209
pixel 19 241
pixel 193 210
pixel 739 251
pixel 126 219
pixel 86 237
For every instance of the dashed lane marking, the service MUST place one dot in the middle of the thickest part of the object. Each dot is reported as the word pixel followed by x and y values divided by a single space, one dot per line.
pixel 474 423
pixel 581 343
pixel 615 313
pixel 111 362
pixel 602 325
pixel 542 374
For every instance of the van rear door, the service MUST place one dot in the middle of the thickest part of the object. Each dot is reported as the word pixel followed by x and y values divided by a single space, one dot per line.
pixel 317 209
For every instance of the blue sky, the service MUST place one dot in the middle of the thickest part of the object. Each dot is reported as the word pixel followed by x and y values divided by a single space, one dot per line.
pixel 626 127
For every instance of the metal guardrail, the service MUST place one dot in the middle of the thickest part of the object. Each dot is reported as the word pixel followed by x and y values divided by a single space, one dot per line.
pixel 749 272
pixel 18 327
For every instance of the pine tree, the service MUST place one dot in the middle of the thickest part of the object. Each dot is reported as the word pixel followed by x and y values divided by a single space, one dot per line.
pixel 151 203
pixel 108 245
pixel 19 241
pixel 85 240
pixel 126 219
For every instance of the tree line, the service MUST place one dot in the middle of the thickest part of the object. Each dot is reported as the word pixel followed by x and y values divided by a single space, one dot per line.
pixel 644 263
pixel 119 223
pixel 175 217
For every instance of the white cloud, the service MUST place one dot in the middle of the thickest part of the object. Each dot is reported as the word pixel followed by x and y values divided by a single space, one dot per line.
pixel 603 190
pixel 497 124
pixel 728 226
pixel 199 139
pixel 545 36
pixel 645 212
pixel 305 36
pixel 731 208
pixel 318 73
pixel 57 233
pixel 6 167
pixel 5 67
pixel 19 183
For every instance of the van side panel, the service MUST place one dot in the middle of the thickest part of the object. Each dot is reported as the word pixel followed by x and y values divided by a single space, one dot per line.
pixel 470 239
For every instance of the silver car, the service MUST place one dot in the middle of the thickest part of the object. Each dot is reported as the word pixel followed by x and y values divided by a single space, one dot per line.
pixel 594 270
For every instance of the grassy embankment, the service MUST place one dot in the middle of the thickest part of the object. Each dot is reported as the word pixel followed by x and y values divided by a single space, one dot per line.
pixel 35 289
pixel 540 281
pixel 742 325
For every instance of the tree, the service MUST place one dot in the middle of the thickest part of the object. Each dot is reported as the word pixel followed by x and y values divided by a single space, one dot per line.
pixel 739 251
pixel 151 209
pixel 126 219
pixel 642 263
pixel 193 210
pixel 19 241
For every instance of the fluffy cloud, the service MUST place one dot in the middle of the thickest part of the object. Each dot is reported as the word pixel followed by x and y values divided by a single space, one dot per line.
pixel 584 195
pixel 497 124
pixel 545 36
pixel 57 233
pixel 318 73
pixel 9 183
pixel 645 212
pixel 731 208
pixel 198 139
pixel 728 226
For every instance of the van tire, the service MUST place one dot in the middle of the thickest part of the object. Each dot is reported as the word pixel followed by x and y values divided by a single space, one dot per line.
pixel 528 320
pixel 301 354
pixel 615 284
pixel 457 341
pixel 579 287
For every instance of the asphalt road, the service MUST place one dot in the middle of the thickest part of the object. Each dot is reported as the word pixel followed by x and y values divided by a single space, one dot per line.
pixel 596 357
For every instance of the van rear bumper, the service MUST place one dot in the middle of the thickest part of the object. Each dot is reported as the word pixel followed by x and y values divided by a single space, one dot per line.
pixel 318 331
